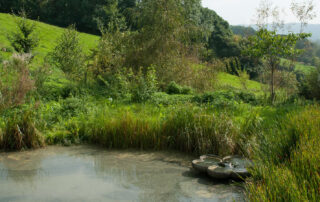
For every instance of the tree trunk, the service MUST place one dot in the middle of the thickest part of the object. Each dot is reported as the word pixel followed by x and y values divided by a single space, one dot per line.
pixel 273 95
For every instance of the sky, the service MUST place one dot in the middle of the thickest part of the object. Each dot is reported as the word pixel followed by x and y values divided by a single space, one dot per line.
pixel 241 12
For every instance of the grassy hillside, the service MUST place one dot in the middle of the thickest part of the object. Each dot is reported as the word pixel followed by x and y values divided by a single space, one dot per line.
pixel 306 69
pixel 225 80
pixel 48 35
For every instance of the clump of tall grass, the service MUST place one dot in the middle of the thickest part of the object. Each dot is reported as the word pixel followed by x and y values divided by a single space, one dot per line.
pixel 15 81
pixel 20 133
pixel 184 128
pixel 288 166
pixel 197 131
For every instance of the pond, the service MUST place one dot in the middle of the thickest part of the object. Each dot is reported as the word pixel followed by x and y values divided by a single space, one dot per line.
pixel 83 173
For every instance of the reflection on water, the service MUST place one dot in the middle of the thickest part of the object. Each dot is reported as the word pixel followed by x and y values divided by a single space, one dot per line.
pixel 92 174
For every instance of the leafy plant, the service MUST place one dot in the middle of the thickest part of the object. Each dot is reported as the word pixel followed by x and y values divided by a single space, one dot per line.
pixel 68 55
pixel 272 47
pixel 20 132
pixel 144 86
pixel 15 81
pixel 24 39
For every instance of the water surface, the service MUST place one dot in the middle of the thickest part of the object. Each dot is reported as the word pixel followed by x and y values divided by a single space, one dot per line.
pixel 84 173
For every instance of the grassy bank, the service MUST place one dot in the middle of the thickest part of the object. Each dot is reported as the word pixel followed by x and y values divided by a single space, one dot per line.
pixel 48 35
pixel 287 162
pixel 117 108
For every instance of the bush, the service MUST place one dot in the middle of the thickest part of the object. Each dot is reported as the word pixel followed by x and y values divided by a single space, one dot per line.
pixel 24 40
pixel 54 89
pixel 15 81
pixel 20 132
pixel 115 85
pixel 174 88
pixel 311 86
pixel 68 55
pixel 72 106
pixel 144 86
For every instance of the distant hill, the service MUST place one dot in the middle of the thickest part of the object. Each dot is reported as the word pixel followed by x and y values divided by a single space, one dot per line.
pixel 242 30
pixel 314 29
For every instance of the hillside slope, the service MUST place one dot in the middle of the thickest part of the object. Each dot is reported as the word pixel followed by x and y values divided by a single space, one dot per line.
pixel 48 35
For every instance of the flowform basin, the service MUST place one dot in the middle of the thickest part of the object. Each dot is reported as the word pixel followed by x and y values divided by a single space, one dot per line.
pixel 230 167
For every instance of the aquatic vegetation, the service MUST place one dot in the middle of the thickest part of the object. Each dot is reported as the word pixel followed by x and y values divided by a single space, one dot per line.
pixel 288 159
pixel 20 133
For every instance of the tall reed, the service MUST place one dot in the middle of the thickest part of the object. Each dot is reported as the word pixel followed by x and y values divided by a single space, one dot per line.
pixel 185 128
pixel 20 133
pixel 288 169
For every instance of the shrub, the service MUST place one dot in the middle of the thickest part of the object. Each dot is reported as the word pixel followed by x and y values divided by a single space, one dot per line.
pixel 68 55
pixel 20 132
pixel 174 88
pixel 54 89
pixel 116 85
pixel 144 86
pixel 72 106
pixel 15 81
pixel 311 85
pixel 24 40
pixel 186 90
pixel 40 76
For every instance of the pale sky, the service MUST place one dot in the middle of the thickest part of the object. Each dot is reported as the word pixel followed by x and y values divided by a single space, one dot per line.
pixel 243 11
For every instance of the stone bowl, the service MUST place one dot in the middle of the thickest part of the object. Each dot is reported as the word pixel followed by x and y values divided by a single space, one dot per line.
pixel 230 167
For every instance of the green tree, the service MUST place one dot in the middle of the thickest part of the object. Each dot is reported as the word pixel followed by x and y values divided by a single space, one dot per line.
pixel 158 40
pixel 271 47
pixel 68 54
pixel 109 17
pixel 24 39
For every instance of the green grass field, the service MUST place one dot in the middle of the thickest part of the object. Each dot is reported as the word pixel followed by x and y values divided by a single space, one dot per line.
pixel 225 80
pixel 306 69
pixel 48 35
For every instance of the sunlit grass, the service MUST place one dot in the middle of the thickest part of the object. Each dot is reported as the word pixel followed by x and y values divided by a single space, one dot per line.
pixel 48 35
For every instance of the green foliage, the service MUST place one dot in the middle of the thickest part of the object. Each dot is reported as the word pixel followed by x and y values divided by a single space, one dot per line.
pixel 68 55
pixel 72 106
pixel 222 41
pixel 109 16
pixel 311 85
pixel 53 89
pixel 243 31
pixel 20 132
pixel 174 88
pixel 225 98
pixel 287 165
pixel 144 86
pixel 24 39
pixel 15 81
pixel 47 34
pixel 166 100
pixel 272 47
pixel 185 128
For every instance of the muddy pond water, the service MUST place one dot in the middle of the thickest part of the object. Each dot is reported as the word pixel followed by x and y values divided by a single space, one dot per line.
pixel 83 173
